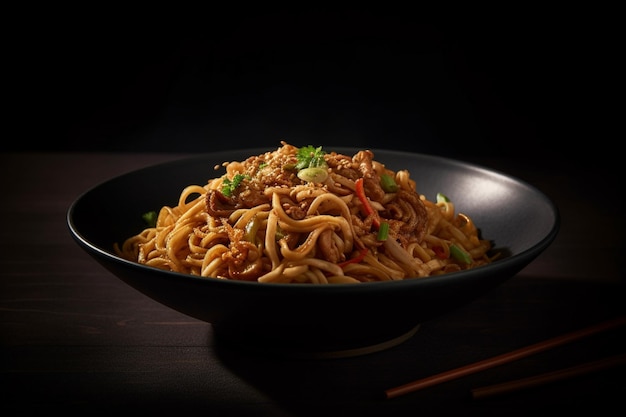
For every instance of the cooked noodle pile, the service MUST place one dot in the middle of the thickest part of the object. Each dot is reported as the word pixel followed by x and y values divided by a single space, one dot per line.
pixel 261 221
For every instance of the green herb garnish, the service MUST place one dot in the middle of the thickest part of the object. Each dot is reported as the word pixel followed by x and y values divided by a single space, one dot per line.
pixel 310 157
pixel 229 186
pixel 150 218
pixel 311 166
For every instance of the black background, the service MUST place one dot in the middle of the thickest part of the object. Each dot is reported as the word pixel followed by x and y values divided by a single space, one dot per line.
pixel 522 88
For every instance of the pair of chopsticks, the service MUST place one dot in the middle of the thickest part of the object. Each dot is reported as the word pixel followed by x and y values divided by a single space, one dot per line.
pixel 517 354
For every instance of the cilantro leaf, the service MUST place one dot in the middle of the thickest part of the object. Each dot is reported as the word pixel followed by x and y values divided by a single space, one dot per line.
pixel 229 186
pixel 310 157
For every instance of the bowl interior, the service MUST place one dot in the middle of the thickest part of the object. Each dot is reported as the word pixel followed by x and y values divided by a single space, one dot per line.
pixel 514 214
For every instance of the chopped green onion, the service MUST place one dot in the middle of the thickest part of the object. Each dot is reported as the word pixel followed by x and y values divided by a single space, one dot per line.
pixel 279 234
pixel 251 229
pixel 150 218
pixel 383 231
pixel 460 255
pixel 441 198
pixel 313 174
pixel 388 183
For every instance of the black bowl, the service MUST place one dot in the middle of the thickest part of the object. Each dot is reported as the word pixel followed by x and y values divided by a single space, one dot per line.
pixel 319 320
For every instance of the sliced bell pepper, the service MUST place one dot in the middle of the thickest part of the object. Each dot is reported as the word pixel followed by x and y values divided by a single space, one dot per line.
pixel 354 260
pixel 367 207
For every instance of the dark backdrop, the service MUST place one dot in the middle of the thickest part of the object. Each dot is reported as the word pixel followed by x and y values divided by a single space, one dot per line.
pixel 524 88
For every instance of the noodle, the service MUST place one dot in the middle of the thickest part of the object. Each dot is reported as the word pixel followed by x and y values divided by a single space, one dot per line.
pixel 261 221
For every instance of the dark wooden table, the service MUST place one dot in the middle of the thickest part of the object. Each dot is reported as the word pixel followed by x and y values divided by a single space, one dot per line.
pixel 75 338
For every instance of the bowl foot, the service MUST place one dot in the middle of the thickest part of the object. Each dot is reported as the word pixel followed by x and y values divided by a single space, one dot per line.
pixel 362 350
pixel 312 352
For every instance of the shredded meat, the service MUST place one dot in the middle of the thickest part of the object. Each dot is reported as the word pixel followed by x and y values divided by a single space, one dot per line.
pixel 243 259
pixel 342 165
pixel 371 179
pixel 218 205
pixel 409 209
pixel 328 248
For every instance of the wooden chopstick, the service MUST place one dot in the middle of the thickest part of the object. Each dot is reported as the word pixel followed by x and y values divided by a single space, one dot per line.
pixel 504 358
pixel 536 380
